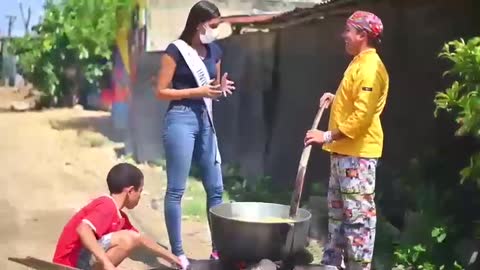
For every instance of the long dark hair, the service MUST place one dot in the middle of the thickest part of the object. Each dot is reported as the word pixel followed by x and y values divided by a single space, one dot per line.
pixel 201 12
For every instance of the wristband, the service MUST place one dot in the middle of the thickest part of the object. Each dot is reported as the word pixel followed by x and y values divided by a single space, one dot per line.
pixel 327 137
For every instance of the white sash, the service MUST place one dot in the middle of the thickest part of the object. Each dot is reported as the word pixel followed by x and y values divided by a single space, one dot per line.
pixel 200 73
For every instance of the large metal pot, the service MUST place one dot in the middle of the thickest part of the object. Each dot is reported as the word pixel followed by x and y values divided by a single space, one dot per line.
pixel 239 234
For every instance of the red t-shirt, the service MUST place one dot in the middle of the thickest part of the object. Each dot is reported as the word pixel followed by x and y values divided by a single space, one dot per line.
pixel 102 215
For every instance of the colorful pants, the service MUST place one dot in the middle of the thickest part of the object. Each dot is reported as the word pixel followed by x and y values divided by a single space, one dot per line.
pixel 352 214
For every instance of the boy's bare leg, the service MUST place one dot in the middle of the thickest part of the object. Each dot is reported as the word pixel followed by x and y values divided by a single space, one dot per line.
pixel 123 243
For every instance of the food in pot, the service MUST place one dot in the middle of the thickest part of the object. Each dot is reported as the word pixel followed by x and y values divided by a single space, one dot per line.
pixel 265 219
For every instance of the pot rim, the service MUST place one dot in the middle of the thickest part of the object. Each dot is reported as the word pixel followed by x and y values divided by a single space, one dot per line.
pixel 296 220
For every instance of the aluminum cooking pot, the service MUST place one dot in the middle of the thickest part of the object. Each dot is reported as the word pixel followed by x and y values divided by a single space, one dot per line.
pixel 241 234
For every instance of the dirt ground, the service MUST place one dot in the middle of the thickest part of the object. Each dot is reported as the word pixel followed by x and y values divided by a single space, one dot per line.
pixel 55 161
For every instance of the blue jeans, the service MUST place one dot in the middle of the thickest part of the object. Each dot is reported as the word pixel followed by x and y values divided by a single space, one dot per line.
pixel 188 135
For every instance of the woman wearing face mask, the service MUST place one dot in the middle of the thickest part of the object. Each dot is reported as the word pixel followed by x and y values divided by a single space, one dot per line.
pixel 188 130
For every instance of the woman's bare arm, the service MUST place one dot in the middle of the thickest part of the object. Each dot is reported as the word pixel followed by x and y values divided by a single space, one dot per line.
pixel 163 90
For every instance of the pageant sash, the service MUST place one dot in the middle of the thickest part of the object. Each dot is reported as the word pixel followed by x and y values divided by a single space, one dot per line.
pixel 200 73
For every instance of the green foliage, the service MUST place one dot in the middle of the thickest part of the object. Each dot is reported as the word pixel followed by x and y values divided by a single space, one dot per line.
pixel 473 170
pixel 75 37
pixel 417 256
pixel 462 98
pixel 236 189
pixel 427 195
pixel 439 234
pixel 409 256
pixel 261 190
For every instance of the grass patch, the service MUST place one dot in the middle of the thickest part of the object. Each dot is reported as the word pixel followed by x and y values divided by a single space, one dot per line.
pixel 194 203
pixel 236 189
pixel 89 138
pixel 128 158
pixel 162 163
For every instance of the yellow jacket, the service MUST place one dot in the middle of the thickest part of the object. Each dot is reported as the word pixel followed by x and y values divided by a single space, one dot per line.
pixel 358 104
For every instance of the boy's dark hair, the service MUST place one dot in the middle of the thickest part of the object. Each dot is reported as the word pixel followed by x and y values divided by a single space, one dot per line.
pixel 124 175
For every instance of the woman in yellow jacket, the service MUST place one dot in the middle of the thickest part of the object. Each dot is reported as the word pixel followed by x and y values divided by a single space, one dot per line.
pixel 355 141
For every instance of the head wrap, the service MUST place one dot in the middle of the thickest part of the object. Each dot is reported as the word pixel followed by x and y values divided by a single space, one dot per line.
pixel 366 21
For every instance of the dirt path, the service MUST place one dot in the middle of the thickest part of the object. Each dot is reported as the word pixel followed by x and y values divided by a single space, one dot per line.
pixel 49 172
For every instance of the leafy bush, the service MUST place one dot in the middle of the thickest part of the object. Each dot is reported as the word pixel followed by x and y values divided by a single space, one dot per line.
pixel 462 98
pixel 417 256
pixel 74 40
pixel 428 195
pixel 262 189
pixel 438 202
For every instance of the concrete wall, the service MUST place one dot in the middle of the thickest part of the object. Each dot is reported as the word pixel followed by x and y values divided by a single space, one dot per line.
pixel 166 18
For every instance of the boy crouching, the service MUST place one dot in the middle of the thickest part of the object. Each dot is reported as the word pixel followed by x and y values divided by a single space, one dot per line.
pixel 103 230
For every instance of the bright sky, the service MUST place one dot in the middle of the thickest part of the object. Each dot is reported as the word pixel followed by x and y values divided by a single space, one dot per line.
pixel 11 7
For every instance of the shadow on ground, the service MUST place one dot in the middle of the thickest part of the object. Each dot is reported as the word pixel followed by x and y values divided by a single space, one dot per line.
pixel 144 256
pixel 101 124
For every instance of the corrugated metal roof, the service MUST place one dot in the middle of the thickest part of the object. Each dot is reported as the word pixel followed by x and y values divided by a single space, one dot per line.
pixel 299 15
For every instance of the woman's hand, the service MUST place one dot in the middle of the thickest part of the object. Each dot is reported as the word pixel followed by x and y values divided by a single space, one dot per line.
pixel 226 86
pixel 210 91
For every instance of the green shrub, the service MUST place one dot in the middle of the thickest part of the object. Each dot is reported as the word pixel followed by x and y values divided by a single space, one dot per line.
pixel 74 40
pixel 462 98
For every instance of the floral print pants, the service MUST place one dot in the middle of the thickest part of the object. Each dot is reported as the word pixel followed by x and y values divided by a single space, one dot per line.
pixel 352 213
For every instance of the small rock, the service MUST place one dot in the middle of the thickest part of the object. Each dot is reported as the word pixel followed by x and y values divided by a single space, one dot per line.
pixel 21 106
pixel 155 204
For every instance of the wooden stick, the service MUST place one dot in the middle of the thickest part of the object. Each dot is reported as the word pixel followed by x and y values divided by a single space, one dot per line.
pixel 302 168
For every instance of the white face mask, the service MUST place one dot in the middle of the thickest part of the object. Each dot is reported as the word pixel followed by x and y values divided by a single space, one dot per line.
pixel 209 36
